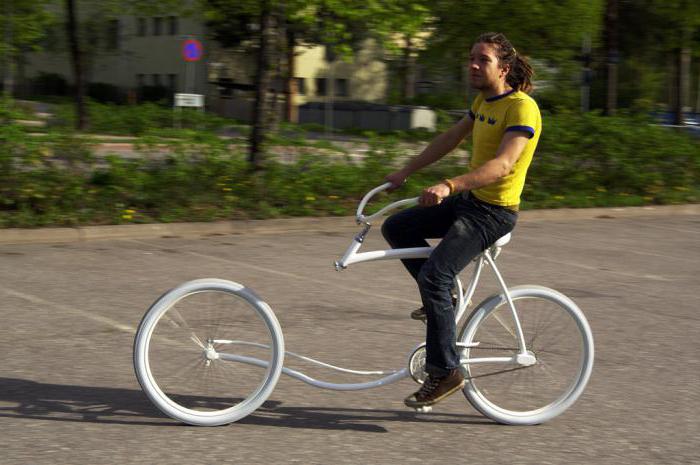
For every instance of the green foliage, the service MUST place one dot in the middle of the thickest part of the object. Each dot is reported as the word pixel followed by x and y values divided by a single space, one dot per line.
pixel 591 160
pixel 136 120
pixel 24 23
pixel 581 161
pixel 556 38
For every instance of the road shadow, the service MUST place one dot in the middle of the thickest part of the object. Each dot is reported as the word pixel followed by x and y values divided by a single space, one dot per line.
pixel 70 403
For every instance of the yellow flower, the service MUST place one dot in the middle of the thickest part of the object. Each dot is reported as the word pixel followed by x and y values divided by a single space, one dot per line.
pixel 227 189
pixel 559 197
pixel 129 211
pixel 127 217
pixel 333 197
pixel 310 198
pixel 601 189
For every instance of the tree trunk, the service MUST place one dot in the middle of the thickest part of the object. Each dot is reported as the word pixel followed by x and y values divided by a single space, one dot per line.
pixel 409 71
pixel 697 97
pixel 682 86
pixel 8 59
pixel 262 84
pixel 77 61
pixel 611 38
pixel 291 111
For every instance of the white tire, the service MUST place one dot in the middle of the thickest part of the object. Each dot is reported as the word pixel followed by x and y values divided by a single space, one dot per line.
pixel 187 346
pixel 557 334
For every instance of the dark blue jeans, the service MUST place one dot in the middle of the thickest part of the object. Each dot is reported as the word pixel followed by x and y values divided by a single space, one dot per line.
pixel 467 226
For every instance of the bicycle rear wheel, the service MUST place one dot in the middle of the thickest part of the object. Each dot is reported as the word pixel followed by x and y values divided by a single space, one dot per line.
pixel 556 333
pixel 187 346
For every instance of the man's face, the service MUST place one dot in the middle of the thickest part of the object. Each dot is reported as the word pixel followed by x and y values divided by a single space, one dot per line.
pixel 484 67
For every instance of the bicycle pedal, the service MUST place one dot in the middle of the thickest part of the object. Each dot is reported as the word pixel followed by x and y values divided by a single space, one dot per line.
pixel 426 409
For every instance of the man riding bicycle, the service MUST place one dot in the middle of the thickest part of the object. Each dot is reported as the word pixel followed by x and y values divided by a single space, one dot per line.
pixel 470 211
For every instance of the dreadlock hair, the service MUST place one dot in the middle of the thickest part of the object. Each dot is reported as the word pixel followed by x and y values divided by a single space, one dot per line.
pixel 520 75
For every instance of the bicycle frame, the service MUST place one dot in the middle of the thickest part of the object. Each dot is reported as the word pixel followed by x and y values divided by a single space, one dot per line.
pixel 353 256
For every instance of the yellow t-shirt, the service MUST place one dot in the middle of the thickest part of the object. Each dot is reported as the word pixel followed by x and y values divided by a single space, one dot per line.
pixel 493 117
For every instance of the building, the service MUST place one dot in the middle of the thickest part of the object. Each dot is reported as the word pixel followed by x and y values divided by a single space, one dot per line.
pixel 232 73
pixel 130 53
pixel 135 52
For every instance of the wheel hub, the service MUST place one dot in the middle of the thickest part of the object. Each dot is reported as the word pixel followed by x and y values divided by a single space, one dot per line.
pixel 210 353
pixel 416 364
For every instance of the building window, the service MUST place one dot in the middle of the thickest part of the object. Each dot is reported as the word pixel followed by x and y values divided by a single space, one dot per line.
pixel 321 87
pixel 141 27
pixel 301 86
pixel 113 34
pixel 155 79
pixel 172 82
pixel 172 25
pixel 157 26
pixel 341 87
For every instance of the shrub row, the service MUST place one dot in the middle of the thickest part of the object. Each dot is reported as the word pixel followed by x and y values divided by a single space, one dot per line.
pixel 585 160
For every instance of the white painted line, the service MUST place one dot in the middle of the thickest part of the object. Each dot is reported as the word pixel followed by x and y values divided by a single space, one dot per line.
pixel 660 255
pixel 38 300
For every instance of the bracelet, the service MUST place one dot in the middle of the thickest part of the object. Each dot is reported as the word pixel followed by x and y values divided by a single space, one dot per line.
pixel 449 184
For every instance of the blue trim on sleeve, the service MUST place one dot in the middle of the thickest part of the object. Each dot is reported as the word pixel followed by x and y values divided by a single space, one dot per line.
pixel 529 130
pixel 471 114
pixel 496 97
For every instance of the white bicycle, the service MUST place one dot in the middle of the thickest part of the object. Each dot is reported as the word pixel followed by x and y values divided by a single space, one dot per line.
pixel 210 351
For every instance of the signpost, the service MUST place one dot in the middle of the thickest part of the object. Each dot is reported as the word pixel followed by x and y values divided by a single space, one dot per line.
pixel 186 100
pixel 192 51
pixel 189 100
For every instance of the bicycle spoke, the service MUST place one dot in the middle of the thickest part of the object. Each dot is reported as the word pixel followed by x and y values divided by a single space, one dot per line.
pixel 178 360
pixel 551 334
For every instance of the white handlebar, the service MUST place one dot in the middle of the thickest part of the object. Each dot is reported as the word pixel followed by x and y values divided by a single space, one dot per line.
pixel 367 219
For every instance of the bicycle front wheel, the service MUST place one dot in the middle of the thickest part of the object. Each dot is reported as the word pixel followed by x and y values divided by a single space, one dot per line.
pixel 556 333
pixel 208 352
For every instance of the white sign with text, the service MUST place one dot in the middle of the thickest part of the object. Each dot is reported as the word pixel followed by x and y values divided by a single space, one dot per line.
pixel 189 100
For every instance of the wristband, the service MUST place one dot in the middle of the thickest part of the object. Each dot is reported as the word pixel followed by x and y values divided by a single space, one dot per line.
pixel 449 184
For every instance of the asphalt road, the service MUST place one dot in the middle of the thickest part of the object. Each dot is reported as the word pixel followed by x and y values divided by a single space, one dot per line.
pixel 68 393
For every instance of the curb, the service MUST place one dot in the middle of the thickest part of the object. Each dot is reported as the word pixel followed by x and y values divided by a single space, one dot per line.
pixel 305 224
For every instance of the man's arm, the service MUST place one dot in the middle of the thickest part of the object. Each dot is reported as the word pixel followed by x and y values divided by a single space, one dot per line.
pixel 438 148
pixel 501 165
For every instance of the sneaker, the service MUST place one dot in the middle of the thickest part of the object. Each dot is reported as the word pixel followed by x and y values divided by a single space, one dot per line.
pixel 420 314
pixel 436 388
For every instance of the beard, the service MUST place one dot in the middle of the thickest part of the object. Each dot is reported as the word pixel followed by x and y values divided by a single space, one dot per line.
pixel 477 84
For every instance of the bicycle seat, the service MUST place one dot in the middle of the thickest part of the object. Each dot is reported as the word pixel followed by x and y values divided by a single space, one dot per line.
pixel 502 241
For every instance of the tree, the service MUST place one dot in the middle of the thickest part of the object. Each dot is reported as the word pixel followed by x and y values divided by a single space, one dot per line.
pixel 404 29
pixel 549 31
pixel 262 26
pixel 612 53
pixel 22 28
pixel 682 20
pixel 654 60
pixel 79 41
pixel 77 64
